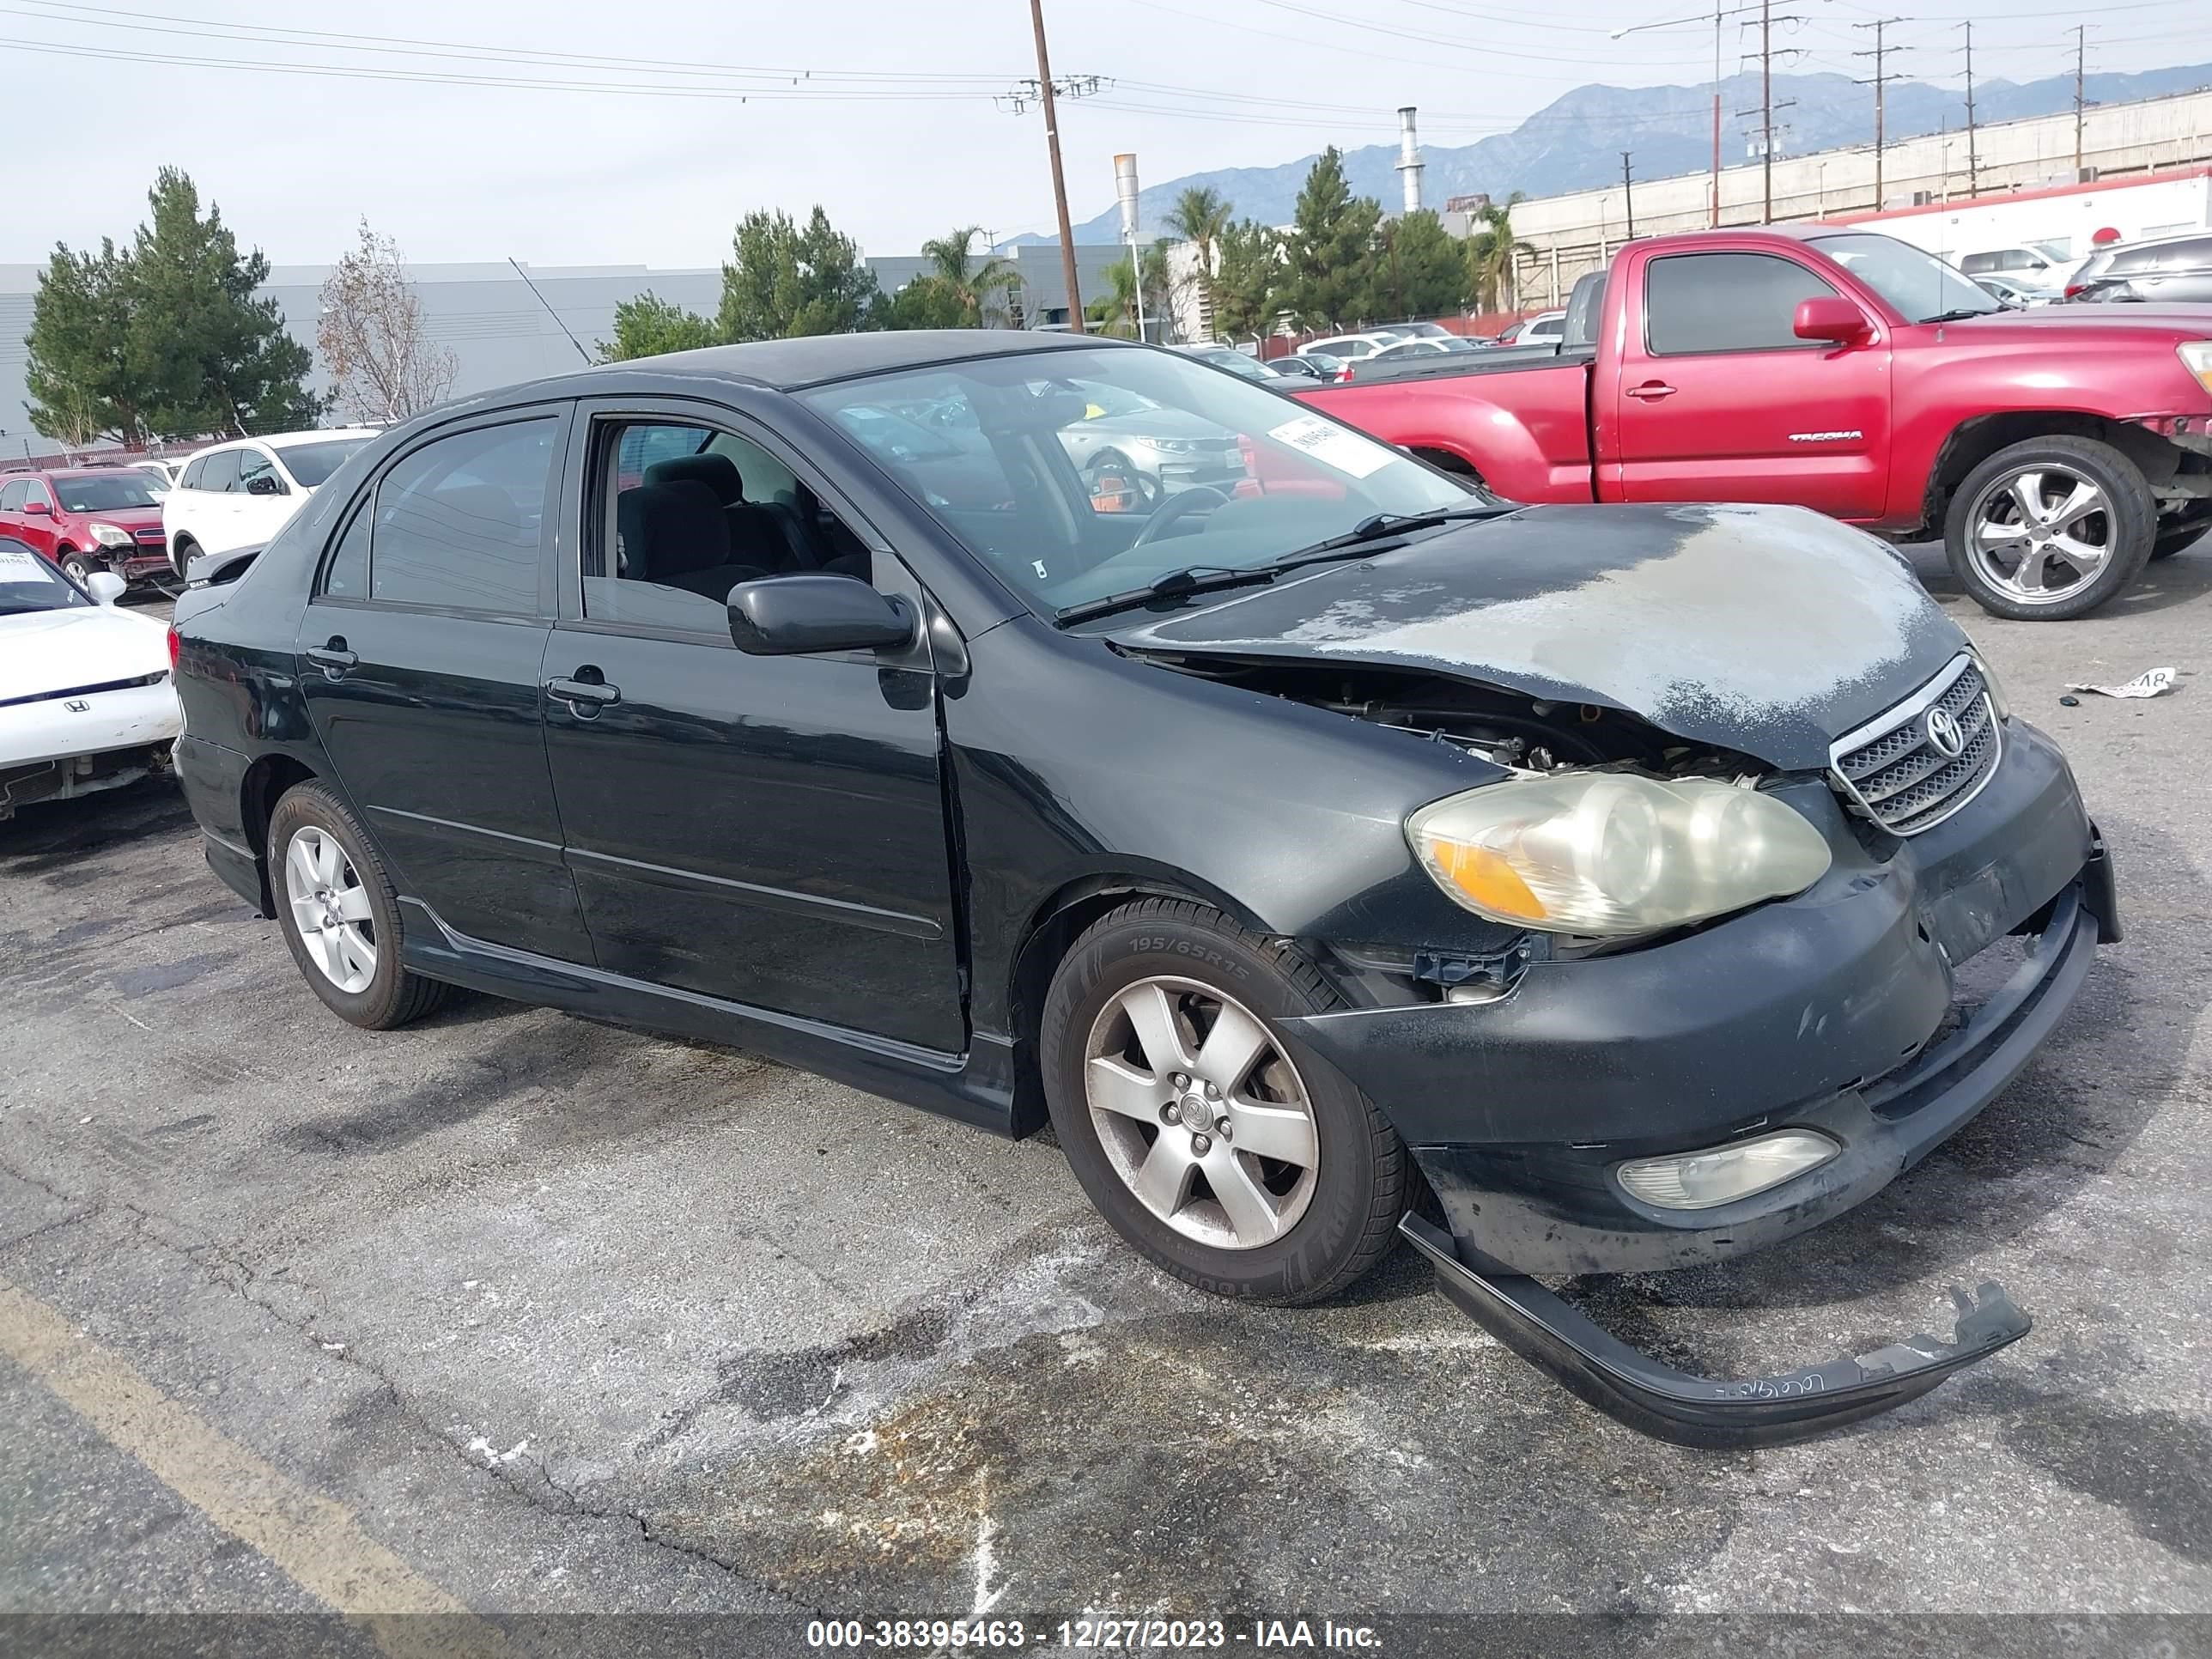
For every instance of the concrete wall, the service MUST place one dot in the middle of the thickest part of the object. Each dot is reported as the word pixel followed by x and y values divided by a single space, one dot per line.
pixel 1577 233
pixel 499 333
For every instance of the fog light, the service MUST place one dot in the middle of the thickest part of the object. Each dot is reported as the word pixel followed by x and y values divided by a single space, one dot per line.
pixel 1698 1181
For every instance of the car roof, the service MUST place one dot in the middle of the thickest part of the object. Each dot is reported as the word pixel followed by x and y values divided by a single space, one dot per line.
pixel 814 360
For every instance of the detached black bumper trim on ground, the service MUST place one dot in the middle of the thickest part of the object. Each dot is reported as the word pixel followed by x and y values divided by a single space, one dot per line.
pixel 1635 1389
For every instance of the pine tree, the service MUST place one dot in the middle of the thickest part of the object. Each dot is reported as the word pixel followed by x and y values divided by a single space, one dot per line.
pixel 648 325
pixel 80 387
pixel 1248 282
pixel 1332 248
pixel 1422 270
pixel 786 280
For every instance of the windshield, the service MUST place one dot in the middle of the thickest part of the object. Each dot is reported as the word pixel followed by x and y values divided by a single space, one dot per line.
pixel 1917 285
pixel 29 583
pixel 1044 478
pixel 106 492
pixel 1236 362
pixel 312 465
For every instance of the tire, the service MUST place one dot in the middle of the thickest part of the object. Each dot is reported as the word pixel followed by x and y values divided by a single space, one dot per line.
pixel 182 555
pixel 80 568
pixel 385 996
pixel 2118 524
pixel 1325 1223
pixel 2181 530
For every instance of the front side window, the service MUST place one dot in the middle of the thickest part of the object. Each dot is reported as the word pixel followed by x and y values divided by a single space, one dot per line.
pixel 681 513
pixel 106 492
pixel 257 475
pixel 12 497
pixel 1713 302
pixel 194 469
pixel 1078 473
pixel 458 523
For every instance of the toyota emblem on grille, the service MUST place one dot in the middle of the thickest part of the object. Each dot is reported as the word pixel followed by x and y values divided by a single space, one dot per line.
pixel 1944 736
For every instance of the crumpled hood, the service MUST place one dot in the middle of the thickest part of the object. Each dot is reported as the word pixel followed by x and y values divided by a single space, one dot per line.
pixel 45 651
pixel 1769 630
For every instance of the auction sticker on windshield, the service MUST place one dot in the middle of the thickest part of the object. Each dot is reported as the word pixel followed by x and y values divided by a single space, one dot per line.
pixel 1334 447
pixel 15 565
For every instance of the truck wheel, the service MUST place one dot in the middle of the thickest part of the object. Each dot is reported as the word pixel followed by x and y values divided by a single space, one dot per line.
pixel 2049 528
pixel 340 914
pixel 1232 1156
pixel 2180 530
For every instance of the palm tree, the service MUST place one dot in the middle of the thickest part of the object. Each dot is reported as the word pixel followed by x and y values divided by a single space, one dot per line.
pixel 1115 311
pixel 1199 216
pixel 1491 251
pixel 979 289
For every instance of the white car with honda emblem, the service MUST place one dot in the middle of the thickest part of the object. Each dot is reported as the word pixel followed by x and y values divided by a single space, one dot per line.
pixel 86 702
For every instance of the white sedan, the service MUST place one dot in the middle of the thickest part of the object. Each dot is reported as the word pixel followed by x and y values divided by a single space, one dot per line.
pixel 86 702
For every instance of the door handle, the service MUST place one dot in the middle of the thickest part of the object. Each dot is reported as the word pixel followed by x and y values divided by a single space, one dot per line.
pixel 584 697
pixel 1652 390
pixel 333 658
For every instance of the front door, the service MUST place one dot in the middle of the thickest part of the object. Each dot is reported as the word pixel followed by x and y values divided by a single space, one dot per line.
pixel 419 657
pixel 1720 400
pixel 766 830
pixel 262 501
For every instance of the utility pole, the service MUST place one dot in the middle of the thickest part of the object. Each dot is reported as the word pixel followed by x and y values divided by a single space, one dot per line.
pixel 1767 104
pixel 1628 193
pixel 1973 182
pixel 1059 182
pixel 1717 16
pixel 1879 81
pixel 2081 59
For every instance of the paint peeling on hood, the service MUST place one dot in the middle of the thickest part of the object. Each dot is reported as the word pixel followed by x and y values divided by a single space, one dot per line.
pixel 1769 630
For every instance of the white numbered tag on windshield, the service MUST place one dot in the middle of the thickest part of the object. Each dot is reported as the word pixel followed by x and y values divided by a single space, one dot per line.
pixel 1334 447
pixel 17 566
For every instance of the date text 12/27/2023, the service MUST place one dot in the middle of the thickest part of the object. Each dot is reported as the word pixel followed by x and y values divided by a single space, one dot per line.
pixel 1104 1631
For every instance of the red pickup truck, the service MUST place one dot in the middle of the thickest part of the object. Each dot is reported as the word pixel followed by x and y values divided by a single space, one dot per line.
pixel 2055 450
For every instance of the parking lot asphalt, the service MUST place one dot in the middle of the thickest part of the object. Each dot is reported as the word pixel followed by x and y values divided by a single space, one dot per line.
pixel 559 1317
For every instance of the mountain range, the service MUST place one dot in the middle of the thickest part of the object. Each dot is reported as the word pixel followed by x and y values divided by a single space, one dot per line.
pixel 1574 143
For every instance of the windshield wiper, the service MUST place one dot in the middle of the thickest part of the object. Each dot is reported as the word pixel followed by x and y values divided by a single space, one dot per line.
pixel 1191 579
pixel 1384 526
pixel 1961 314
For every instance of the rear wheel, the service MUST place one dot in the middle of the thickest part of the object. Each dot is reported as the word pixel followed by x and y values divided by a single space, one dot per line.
pixel 2050 529
pixel 339 913
pixel 1232 1156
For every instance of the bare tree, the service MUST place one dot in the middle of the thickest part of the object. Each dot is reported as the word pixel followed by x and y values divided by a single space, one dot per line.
pixel 383 366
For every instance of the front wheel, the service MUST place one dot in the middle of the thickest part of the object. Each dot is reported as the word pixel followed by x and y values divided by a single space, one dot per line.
pixel 182 555
pixel 1232 1156
pixel 2050 529
pixel 79 567
pixel 340 914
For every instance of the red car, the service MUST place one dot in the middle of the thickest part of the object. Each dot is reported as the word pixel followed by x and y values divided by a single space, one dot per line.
pixel 2054 449
pixel 87 518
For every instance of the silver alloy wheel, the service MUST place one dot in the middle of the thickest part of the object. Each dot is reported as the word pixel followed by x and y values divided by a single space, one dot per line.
pixel 329 907
pixel 1202 1113
pixel 2043 520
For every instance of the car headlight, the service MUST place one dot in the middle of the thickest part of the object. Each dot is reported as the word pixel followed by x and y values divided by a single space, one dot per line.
pixel 110 535
pixel 1175 446
pixel 1609 854
pixel 2197 358
pixel 1990 684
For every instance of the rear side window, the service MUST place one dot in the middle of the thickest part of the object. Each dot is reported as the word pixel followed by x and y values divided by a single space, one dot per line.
pixel 221 473
pixel 458 522
pixel 1708 302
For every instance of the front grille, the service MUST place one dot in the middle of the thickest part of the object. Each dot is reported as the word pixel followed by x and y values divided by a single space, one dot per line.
pixel 1892 770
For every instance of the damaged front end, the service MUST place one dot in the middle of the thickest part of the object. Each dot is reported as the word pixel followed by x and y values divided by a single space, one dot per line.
pixel 1621 1097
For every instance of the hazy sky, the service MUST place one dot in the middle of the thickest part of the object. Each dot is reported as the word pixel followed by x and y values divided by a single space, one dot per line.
pixel 633 146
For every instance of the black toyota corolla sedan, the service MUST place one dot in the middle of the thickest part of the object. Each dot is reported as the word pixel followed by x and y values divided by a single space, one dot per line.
pixel 1326 848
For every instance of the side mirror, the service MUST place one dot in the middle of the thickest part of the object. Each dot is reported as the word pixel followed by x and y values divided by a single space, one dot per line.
pixel 105 586
pixel 1831 318
pixel 267 484
pixel 38 509
pixel 795 616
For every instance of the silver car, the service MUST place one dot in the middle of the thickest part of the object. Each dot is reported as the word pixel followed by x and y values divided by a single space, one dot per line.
pixel 1159 451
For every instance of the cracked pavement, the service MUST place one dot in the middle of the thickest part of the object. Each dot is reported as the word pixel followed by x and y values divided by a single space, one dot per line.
pixel 574 1318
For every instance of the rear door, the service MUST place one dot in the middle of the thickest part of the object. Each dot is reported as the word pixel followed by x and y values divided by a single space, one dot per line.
pixel 1718 400
pixel 765 831
pixel 419 661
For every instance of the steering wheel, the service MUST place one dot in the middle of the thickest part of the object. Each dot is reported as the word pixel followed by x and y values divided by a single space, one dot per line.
pixel 1173 509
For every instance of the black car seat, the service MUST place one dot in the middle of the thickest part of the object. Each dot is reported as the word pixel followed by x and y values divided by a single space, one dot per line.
pixel 765 533
pixel 677 535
